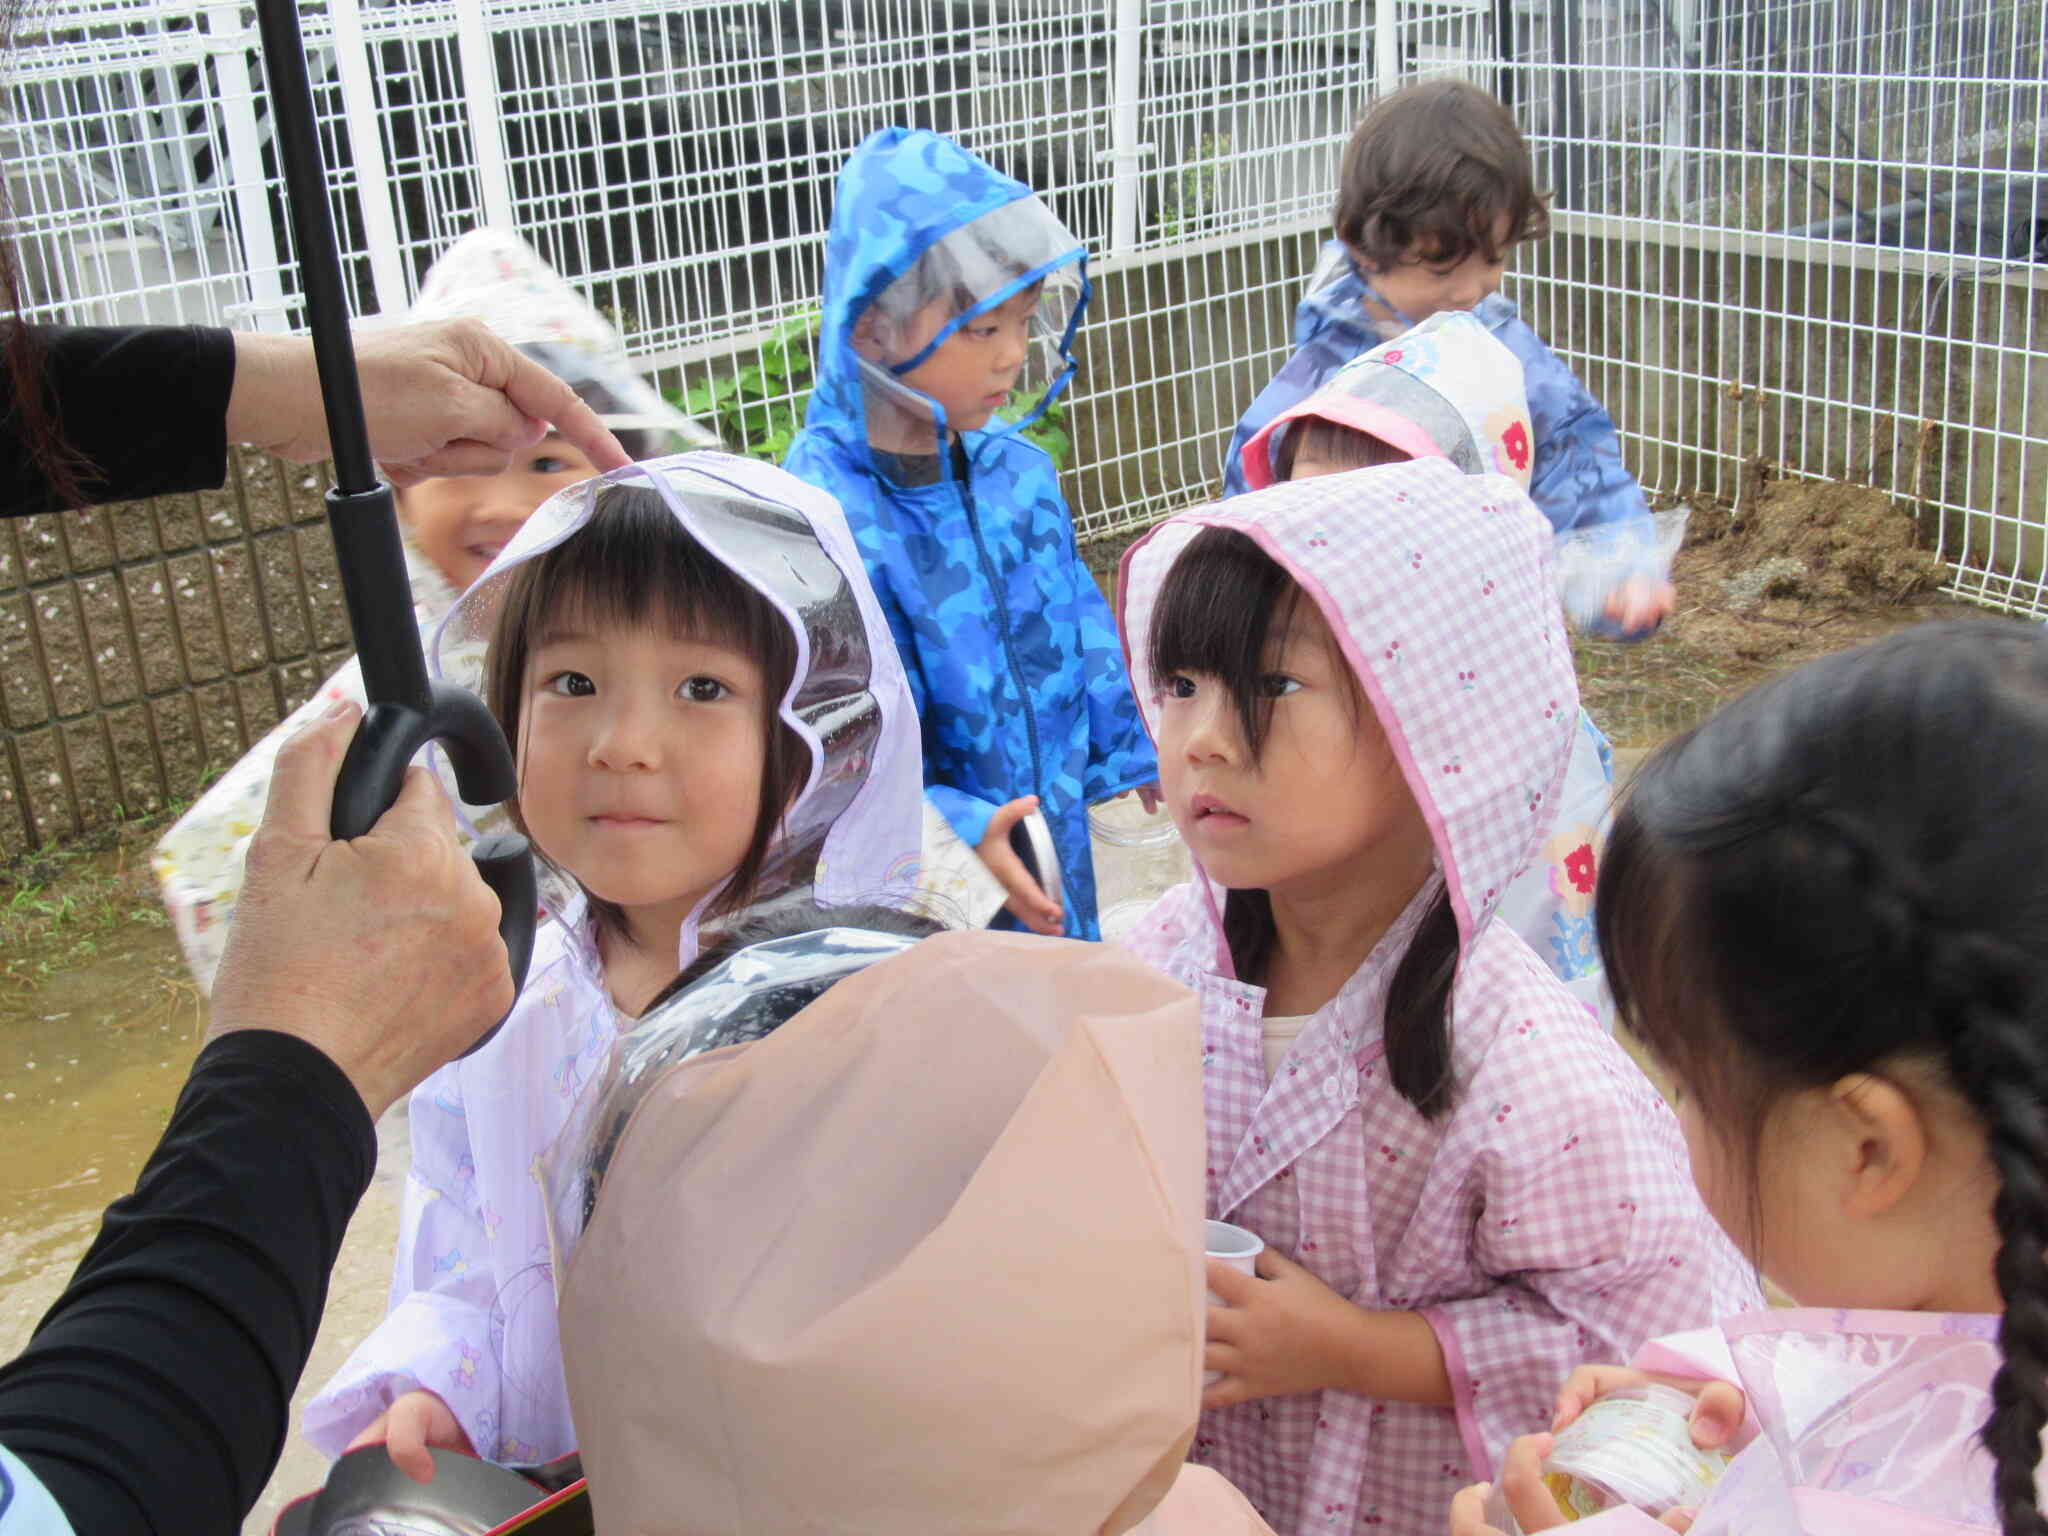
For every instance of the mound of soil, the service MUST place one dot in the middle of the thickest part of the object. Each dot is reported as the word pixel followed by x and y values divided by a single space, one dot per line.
pixel 1827 539
pixel 1809 567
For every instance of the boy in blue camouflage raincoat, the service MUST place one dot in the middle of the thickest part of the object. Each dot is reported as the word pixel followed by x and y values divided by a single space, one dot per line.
pixel 949 288
pixel 1436 186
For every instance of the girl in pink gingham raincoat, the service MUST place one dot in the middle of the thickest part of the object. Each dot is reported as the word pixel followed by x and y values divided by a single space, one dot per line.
pixel 1466 1188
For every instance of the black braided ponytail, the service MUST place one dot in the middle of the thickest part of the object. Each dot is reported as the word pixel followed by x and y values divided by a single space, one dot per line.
pixel 1847 869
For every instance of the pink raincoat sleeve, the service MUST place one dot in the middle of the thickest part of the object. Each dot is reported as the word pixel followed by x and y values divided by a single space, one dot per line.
pixel 437 1334
pixel 1582 1210
pixel 1620 1521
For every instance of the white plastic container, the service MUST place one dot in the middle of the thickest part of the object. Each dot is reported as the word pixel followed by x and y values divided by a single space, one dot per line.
pixel 1632 1447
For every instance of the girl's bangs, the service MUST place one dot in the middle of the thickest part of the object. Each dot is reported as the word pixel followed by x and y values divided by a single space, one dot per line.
pixel 633 565
pixel 1223 608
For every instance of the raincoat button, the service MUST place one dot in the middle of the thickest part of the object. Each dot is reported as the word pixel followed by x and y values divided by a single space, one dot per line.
pixel 1330 1087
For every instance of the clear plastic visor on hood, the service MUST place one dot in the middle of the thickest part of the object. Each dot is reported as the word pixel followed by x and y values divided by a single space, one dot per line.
pixel 646 425
pixel 494 276
pixel 744 998
pixel 977 335
pixel 772 547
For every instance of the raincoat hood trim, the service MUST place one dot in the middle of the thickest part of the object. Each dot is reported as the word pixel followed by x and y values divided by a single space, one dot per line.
pixel 885 800
pixel 838 406
pixel 1242 515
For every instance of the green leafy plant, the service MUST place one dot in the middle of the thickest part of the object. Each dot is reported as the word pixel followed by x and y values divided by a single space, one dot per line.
pixel 1050 431
pixel 1191 199
pixel 759 409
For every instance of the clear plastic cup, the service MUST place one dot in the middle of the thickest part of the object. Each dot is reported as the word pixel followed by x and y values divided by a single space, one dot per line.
pixel 1632 1447
pixel 1138 857
pixel 1123 822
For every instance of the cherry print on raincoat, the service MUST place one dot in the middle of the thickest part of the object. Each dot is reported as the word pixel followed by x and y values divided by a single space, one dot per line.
pixel 1548 1217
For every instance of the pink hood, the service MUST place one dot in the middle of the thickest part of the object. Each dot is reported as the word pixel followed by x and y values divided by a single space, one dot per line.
pixel 1437 585
pixel 1446 389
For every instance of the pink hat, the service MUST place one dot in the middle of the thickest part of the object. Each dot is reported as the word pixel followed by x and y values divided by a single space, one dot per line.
pixel 1447 389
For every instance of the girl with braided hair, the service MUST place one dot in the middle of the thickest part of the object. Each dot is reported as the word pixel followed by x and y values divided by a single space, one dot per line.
pixel 1823 911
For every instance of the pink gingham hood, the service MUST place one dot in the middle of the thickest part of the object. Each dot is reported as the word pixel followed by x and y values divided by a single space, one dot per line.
pixel 1437 586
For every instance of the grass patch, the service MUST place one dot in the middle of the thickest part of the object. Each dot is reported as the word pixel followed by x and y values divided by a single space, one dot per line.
pixel 62 904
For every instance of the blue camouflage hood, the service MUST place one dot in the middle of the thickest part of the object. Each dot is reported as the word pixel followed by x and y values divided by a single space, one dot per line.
pixel 901 193
pixel 1011 651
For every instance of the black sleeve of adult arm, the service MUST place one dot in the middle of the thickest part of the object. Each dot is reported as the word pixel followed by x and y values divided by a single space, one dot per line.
pixel 155 1396
pixel 145 406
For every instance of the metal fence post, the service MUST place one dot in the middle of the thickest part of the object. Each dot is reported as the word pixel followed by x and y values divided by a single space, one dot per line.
pixel 480 94
pixel 1126 124
pixel 261 270
pixel 366 150
pixel 1386 50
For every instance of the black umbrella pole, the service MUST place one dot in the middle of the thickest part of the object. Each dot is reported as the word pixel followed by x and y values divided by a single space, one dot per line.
pixel 360 509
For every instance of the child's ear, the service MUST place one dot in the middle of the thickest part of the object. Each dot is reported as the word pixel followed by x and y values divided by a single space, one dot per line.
pixel 1885 1135
pixel 868 339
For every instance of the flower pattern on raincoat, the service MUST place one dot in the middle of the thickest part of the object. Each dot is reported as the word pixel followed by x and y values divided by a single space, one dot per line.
pixel 1449 389
pixel 472 1314
pixel 1010 648
pixel 1548 1217
pixel 198 862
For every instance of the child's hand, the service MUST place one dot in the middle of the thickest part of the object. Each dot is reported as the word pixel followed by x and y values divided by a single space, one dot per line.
pixel 1637 607
pixel 409 1427
pixel 1276 1335
pixel 1029 903
pixel 1521 1481
pixel 1718 1406
pixel 1150 796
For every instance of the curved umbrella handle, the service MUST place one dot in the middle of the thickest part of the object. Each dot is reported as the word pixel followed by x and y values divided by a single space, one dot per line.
pixel 390 736
pixel 405 711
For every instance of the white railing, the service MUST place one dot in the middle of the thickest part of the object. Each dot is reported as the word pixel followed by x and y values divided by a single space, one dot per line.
pixel 1811 234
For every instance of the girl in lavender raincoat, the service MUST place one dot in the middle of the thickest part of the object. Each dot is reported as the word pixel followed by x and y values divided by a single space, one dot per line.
pixel 1465 1186
pixel 1823 910
pixel 708 714
pixel 451 529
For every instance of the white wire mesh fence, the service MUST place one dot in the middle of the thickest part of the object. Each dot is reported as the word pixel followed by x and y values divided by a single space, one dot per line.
pixel 1811 236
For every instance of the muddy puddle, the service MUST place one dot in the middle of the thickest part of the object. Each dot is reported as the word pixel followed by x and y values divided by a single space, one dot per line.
pixel 91 1059
pixel 94 1047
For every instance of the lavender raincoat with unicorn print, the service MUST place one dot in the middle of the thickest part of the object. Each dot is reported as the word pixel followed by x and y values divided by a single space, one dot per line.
pixel 1864 1423
pixel 472 1315
pixel 1548 1217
